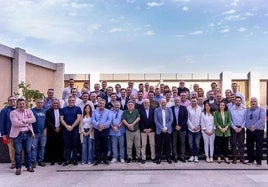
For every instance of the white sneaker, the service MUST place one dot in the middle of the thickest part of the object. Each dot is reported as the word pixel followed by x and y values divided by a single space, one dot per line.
pixel 207 159
pixel 211 159
pixel 195 159
pixel 191 159
pixel 113 160
pixel 122 160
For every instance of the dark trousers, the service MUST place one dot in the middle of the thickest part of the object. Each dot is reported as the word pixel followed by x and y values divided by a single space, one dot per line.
pixel 101 143
pixel 221 146
pixel 54 146
pixel 255 137
pixel 163 139
pixel 70 139
pixel 238 143
pixel 181 135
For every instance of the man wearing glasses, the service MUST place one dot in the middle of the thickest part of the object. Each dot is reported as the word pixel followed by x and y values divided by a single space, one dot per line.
pixel 255 124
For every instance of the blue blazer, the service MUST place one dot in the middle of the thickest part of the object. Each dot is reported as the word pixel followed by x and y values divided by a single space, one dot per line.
pixel 159 120
pixel 182 118
pixel 146 123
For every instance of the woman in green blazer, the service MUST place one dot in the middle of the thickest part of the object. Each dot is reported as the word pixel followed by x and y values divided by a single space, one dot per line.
pixel 222 122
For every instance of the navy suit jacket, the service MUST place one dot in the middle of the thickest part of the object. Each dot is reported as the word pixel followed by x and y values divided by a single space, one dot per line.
pixel 146 123
pixel 159 120
pixel 182 118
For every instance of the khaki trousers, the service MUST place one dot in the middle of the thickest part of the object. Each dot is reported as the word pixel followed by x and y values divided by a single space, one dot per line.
pixel 144 136
pixel 133 137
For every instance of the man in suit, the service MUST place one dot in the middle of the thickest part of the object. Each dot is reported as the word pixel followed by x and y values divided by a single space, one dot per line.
pixel 22 134
pixel 147 128
pixel 179 127
pixel 163 118
pixel 54 136
pixel 123 99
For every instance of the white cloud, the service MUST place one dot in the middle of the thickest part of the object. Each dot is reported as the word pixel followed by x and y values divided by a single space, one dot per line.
pixel 211 25
pixel 116 29
pixel 234 3
pixel 149 33
pixel 266 14
pixel 183 1
pixel 93 27
pixel 234 18
pixel 80 5
pixel 199 32
pixel 249 14
pixel 229 12
pixel 185 8
pixel 155 4
pixel 241 29
pixel 224 30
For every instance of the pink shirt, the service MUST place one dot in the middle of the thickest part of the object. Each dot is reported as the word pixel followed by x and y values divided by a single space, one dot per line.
pixel 16 117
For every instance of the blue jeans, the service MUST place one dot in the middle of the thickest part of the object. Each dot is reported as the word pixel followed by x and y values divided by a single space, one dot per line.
pixel 121 141
pixel 23 142
pixel 38 147
pixel 87 149
pixel 194 141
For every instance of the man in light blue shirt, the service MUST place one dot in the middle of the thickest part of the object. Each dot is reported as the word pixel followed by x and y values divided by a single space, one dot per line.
pixel 238 119
pixel 117 133
pixel 101 121
pixel 255 123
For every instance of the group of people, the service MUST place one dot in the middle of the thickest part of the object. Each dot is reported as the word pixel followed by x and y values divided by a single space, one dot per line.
pixel 108 121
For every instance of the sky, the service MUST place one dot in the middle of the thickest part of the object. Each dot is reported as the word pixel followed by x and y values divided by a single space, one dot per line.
pixel 140 36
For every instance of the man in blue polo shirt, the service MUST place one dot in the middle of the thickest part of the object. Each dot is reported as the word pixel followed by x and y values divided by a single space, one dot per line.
pixel 70 117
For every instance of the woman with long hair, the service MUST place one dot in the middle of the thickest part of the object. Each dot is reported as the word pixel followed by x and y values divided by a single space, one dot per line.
pixel 208 131
pixel 88 135
pixel 222 122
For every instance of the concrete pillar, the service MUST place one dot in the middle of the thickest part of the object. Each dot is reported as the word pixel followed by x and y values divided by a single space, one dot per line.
pixel 59 80
pixel 254 85
pixel 226 81
pixel 94 78
pixel 18 68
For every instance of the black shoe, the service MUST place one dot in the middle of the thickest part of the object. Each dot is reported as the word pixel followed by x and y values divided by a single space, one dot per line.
pixel 97 162
pixel 34 165
pixel 183 160
pixel 169 161
pixel 154 160
pixel 75 163
pixel 13 166
pixel 41 164
pixel 66 163
pixel 106 162
pixel 142 161
pixel 52 163
pixel 175 160
pixel 128 160
pixel 158 161
pixel 138 159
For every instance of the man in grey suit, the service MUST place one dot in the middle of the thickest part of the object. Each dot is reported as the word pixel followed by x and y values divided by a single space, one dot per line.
pixel 163 118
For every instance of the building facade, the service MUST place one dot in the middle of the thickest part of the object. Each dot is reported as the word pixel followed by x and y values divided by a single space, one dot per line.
pixel 16 65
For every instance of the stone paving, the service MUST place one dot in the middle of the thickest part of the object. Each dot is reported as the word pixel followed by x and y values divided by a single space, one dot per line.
pixel 136 174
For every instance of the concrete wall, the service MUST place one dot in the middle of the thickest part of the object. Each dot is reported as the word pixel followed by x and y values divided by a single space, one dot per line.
pixel 5 77
pixel 46 77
